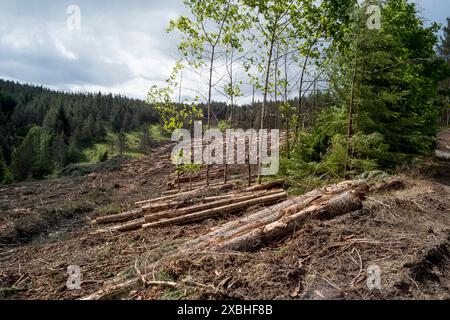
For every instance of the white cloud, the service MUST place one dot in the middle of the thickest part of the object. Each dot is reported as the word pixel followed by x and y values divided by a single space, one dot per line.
pixel 122 46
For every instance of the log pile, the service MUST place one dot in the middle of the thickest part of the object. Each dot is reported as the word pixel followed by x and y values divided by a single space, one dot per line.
pixel 273 223
pixel 192 206
pixel 267 225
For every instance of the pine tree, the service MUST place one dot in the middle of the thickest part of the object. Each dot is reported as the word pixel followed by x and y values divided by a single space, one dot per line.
pixel 444 86
pixel 73 154
pixel 59 151
pixel 444 47
pixel 56 121
pixel 121 142
pixel 25 160
pixel 45 166
pixel 3 167
pixel 389 78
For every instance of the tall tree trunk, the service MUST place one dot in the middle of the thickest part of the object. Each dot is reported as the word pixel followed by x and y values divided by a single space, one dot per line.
pixel 287 106
pixel 249 165
pixel 276 87
pixel 300 100
pixel 225 179
pixel 209 103
pixel 350 115
pixel 263 110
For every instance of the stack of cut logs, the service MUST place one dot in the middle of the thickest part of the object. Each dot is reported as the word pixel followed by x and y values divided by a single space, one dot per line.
pixel 250 231
pixel 193 206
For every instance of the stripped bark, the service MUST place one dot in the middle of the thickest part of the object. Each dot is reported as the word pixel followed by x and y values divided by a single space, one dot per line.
pixel 267 186
pixel 119 217
pixel 129 226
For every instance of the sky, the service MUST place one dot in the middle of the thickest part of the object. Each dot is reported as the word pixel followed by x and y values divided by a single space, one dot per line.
pixel 121 46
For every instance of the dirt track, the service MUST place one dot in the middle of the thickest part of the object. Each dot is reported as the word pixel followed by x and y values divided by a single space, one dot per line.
pixel 406 233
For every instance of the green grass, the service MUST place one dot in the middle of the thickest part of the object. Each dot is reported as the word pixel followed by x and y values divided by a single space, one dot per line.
pixel 92 154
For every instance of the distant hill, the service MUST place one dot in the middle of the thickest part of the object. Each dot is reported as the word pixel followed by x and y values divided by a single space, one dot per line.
pixel 66 122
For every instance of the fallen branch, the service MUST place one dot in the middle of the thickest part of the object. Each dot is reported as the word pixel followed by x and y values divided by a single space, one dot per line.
pixel 267 186
pixel 118 217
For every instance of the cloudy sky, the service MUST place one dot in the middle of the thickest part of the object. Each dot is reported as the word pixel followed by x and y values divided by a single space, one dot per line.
pixel 120 48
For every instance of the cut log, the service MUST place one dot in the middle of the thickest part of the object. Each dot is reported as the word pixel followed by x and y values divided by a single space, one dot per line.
pixel 196 177
pixel 443 155
pixel 212 213
pixel 184 196
pixel 388 185
pixel 267 186
pixel 164 198
pixel 129 226
pixel 119 217
pixel 112 289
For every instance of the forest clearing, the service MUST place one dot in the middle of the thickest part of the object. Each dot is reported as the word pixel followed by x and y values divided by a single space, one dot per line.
pixel 225 150
pixel 403 227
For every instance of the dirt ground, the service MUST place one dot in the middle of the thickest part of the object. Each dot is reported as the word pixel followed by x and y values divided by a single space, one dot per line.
pixel 45 227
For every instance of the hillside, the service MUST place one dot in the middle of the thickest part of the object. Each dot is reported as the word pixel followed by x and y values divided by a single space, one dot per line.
pixel 405 232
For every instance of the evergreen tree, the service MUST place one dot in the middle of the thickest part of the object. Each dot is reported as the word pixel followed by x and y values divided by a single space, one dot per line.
pixel 390 77
pixel 73 154
pixel 59 151
pixel 444 47
pixel 45 163
pixel 56 122
pixel 25 160
pixel 146 140
pixel 3 167
pixel 121 142
pixel 444 86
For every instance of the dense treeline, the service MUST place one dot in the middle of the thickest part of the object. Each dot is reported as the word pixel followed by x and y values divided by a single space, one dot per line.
pixel 351 97
pixel 444 86
pixel 43 130
pixel 383 84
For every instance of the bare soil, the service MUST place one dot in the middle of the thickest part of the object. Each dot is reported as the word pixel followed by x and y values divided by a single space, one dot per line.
pixel 45 227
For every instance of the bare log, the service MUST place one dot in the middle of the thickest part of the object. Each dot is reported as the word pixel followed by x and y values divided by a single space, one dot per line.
pixel 267 186
pixel 388 185
pixel 129 226
pixel 119 217
pixel 164 198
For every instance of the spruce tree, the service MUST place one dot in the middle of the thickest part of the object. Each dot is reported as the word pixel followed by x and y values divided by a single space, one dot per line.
pixel 59 151
pixel 444 47
pixel 25 160
pixel 3 167
pixel 444 86
pixel 388 76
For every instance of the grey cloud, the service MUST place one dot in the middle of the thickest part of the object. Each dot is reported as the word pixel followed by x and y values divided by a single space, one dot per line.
pixel 122 46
